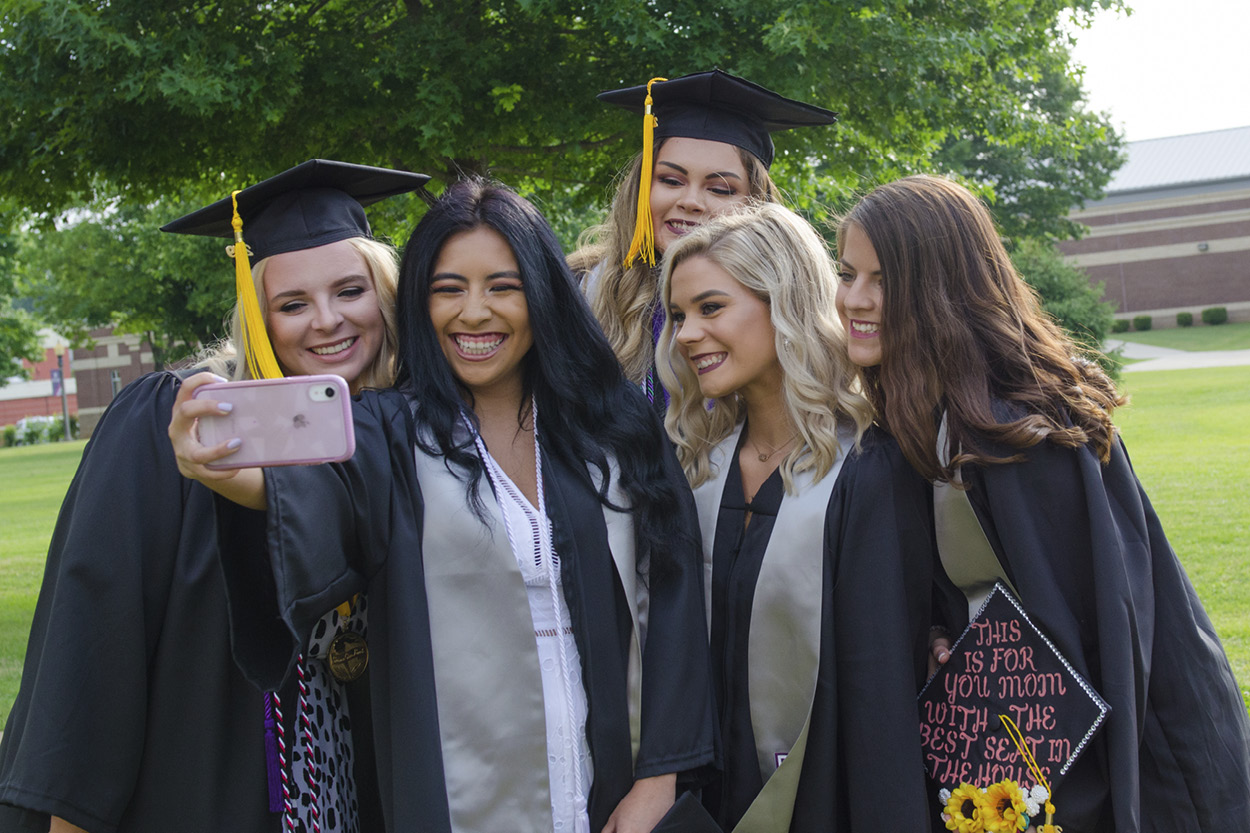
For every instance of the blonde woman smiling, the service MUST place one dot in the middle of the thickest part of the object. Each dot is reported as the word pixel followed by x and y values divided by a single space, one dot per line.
pixel 816 551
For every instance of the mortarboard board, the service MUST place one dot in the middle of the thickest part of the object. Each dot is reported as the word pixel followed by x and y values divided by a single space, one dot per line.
pixel 1006 689
pixel 719 107
pixel 712 105
pixel 316 203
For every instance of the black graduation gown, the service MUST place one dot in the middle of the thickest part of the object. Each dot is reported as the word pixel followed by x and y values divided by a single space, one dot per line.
pixel 341 528
pixel 862 769
pixel 131 714
pixel 1084 548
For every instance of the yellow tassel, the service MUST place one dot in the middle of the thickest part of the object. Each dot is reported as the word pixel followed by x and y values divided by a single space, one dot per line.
pixel 1017 737
pixel 261 363
pixel 643 243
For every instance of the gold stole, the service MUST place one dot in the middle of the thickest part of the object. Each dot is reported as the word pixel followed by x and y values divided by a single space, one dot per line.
pixel 487 683
pixel 783 644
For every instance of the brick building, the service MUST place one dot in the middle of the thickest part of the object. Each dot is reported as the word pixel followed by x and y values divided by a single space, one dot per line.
pixel 114 362
pixel 1172 233
pixel 36 396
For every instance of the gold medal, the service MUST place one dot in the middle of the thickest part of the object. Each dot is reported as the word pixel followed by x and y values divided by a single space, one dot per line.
pixel 348 656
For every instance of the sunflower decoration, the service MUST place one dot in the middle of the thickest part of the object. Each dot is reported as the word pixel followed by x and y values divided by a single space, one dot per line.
pixel 963 809
pixel 1003 809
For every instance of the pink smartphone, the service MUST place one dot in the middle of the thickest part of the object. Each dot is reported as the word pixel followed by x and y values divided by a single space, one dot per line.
pixel 299 420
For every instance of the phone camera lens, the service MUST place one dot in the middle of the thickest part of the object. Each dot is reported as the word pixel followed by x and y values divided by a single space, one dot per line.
pixel 329 393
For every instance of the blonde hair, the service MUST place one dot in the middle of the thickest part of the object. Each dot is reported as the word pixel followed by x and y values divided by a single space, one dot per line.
pixel 624 299
pixel 222 358
pixel 779 257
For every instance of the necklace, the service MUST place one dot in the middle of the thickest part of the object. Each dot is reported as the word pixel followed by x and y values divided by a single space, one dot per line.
pixel 762 457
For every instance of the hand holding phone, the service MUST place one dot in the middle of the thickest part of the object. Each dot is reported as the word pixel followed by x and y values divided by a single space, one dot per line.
pixel 298 420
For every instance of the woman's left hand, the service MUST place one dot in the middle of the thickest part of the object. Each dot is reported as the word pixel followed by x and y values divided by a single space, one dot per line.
pixel 646 803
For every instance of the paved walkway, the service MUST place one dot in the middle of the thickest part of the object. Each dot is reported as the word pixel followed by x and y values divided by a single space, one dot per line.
pixel 1166 358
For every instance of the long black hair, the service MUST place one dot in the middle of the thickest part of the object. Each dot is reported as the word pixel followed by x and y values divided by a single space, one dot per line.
pixel 590 413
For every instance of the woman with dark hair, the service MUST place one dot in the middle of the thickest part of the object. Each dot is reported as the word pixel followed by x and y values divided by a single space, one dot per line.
pixel 536 628
pixel 993 403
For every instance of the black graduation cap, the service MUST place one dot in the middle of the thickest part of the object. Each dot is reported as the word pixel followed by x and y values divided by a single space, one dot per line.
pixel 1002 665
pixel 721 107
pixel 313 204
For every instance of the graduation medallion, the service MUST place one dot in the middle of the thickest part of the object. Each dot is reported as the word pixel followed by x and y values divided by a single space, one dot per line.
pixel 348 656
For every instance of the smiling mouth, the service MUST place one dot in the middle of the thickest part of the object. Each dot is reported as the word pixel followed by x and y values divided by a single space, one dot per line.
pixel 864 329
pixel 681 226
pixel 478 347
pixel 708 362
pixel 334 349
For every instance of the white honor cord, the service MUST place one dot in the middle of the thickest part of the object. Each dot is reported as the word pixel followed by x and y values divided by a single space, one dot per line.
pixel 546 546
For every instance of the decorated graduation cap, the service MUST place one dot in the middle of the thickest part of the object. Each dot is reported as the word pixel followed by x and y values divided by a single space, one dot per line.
pixel 313 204
pixel 1005 718
pixel 712 105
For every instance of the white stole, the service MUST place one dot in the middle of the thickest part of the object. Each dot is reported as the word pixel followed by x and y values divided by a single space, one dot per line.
pixel 783 644
pixel 966 554
pixel 487 682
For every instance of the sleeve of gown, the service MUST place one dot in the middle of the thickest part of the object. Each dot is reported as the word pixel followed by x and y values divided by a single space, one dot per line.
pixel 1094 567
pixel 677 708
pixel 878 555
pixel 75 736
pixel 325 533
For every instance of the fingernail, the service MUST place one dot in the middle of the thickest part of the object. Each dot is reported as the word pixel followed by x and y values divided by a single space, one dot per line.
pixel 235 443
pixel 219 378
pixel 225 407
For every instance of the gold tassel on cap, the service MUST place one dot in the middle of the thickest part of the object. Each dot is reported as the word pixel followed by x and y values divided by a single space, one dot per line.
pixel 261 363
pixel 644 229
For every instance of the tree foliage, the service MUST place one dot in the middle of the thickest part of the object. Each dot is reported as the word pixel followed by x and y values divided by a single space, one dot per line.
pixel 17 329
pixel 112 267
pixel 1067 295
pixel 134 101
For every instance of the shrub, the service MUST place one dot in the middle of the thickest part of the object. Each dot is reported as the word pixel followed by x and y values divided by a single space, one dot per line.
pixel 1141 322
pixel 56 429
pixel 1068 297
pixel 10 436
pixel 1120 325
pixel 1184 319
pixel 1215 315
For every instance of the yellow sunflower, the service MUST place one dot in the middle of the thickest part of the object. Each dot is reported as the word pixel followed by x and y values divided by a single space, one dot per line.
pixel 963 810
pixel 1002 808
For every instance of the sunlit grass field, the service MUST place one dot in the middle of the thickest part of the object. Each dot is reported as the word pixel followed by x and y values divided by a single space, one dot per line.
pixel 1186 432
pixel 1188 435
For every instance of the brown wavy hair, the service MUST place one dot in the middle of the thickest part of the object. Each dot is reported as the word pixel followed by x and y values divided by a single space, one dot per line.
pixel 964 335
pixel 623 300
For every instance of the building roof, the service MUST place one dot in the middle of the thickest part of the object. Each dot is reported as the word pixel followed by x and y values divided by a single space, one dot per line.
pixel 1215 156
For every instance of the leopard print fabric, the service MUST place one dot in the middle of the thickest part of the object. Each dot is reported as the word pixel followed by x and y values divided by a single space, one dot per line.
pixel 322 791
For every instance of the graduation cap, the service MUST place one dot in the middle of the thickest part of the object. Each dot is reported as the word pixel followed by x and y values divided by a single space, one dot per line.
pixel 313 204
pixel 711 105
pixel 1006 691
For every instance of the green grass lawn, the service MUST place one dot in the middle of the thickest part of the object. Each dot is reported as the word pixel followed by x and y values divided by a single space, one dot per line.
pixel 33 481
pixel 1198 337
pixel 1186 435
pixel 1185 431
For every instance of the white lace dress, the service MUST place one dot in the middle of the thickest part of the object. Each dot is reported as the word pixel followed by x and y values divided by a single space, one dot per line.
pixel 564 696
